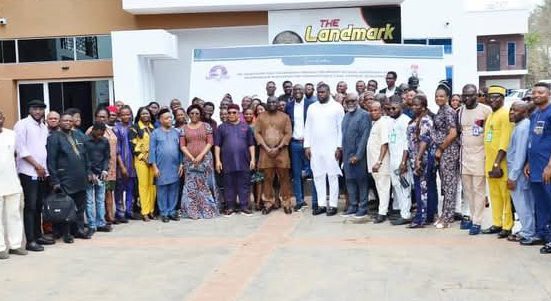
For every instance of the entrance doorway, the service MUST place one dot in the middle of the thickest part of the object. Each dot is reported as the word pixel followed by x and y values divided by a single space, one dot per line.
pixel 61 95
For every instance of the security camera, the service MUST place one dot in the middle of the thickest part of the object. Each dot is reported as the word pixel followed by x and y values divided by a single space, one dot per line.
pixel 3 21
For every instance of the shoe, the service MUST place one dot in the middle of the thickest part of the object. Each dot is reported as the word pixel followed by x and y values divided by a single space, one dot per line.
pixel 515 238
pixel 266 211
pixel 229 212
pixel 174 217
pixel 331 211
pixel 442 225
pixel 458 216
pixel 531 241
pixel 492 230
pixel 44 241
pixel 18 251
pixel 349 212
pixel 165 219
pixel 299 207
pixel 105 229
pixel 122 220
pixel 465 224
pixel 115 222
pixel 68 239
pixel 415 226
pixel 4 255
pixel 361 214
pixel 146 218
pixel 319 210
pixel 475 229
pixel 546 249
pixel 34 247
pixel 287 210
pixel 246 212
pixel 504 234
pixel 83 235
pixel 91 232
pixel 400 221
pixel 379 219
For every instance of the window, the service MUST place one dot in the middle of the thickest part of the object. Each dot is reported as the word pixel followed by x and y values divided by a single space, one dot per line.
pixel 416 41
pixel 511 53
pixel 447 43
pixel 41 50
pixel 449 75
pixel 93 47
pixel 480 47
pixel 7 51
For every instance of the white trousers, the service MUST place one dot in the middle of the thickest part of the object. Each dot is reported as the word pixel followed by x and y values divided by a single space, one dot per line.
pixel 461 205
pixel 320 182
pixel 382 182
pixel 11 219
pixel 402 196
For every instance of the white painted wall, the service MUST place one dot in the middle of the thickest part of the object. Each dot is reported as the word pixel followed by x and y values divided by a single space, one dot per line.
pixel 172 76
pixel 463 21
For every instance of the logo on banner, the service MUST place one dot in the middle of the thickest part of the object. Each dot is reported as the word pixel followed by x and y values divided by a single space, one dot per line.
pixel 218 72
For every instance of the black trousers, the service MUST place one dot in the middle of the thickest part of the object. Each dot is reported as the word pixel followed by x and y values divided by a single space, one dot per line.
pixel 78 225
pixel 34 192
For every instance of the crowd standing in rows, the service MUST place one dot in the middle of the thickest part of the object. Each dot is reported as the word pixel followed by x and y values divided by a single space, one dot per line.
pixel 171 162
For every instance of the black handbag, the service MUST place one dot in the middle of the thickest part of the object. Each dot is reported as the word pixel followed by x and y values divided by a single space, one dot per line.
pixel 59 208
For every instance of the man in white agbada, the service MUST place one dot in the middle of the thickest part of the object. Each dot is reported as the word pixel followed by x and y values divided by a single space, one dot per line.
pixel 322 145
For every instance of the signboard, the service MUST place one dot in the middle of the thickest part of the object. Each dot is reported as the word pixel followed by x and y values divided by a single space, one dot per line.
pixel 244 71
pixel 369 24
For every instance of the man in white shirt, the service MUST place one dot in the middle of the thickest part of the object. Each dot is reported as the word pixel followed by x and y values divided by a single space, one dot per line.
pixel 400 173
pixel 391 88
pixel 322 145
pixel 10 196
pixel 378 159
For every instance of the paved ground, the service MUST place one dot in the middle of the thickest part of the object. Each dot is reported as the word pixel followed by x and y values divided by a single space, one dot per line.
pixel 279 257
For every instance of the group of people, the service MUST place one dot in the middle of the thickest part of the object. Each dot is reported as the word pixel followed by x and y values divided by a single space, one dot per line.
pixel 171 162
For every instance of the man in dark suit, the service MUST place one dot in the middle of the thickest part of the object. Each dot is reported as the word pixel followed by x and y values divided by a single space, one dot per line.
pixel 69 170
pixel 297 109
pixel 391 87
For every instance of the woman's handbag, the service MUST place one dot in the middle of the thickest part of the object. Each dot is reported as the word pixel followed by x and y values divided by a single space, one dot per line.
pixel 58 207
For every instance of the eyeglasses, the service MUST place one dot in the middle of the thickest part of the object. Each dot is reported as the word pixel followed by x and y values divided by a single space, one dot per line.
pixel 232 112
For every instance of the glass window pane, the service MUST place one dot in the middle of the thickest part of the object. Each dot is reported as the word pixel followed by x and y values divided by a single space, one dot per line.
pixel 447 43
pixel 511 53
pixel 7 51
pixel 41 50
pixel 93 47
pixel 416 41
pixel 479 47
pixel 28 92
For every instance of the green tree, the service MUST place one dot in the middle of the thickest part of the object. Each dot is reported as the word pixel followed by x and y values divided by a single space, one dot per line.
pixel 538 43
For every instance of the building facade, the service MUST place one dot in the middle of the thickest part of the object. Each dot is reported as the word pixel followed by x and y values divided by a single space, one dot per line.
pixel 83 53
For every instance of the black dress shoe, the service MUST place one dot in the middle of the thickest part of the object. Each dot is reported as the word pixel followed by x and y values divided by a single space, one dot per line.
pixel 400 221
pixel 165 219
pixel 44 241
pixel 83 235
pixel 379 219
pixel 287 210
pixel 415 226
pixel 532 241
pixel 504 234
pixel 105 228
pixel 266 211
pixel 546 249
pixel 122 221
pixel 34 247
pixel 492 230
pixel 319 210
pixel 174 217
pixel 331 211
pixel 68 239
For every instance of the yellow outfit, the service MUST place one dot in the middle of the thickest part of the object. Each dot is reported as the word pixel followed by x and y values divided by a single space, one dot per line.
pixel 497 134
pixel 144 171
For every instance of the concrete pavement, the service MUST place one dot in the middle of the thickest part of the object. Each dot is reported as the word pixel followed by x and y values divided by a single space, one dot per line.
pixel 279 257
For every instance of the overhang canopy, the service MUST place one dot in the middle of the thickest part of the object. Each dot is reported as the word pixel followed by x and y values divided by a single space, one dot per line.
pixel 201 6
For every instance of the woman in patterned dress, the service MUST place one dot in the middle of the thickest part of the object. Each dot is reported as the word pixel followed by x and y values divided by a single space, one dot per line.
pixel 421 155
pixel 447 154
pixel 196 141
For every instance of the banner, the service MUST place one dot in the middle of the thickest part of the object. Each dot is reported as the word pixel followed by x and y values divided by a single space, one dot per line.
pixel 369 24
pixel 244 71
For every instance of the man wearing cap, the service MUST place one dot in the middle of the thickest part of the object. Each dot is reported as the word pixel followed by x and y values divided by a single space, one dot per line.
pixel 497 134
pixel 31 136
